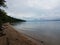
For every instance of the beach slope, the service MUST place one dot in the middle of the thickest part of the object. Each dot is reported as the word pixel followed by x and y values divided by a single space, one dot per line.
pixel 14 37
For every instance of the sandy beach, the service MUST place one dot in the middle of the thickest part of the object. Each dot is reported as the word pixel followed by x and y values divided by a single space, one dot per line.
pixel 13 37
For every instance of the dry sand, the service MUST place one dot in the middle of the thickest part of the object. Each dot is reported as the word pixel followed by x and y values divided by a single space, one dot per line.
pixel 14 37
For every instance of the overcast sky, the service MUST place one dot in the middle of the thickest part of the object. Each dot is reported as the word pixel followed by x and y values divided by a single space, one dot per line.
pixel 34 9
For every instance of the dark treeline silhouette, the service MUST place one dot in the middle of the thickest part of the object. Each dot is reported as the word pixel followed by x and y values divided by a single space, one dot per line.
pixel 4 17
pixel 2 3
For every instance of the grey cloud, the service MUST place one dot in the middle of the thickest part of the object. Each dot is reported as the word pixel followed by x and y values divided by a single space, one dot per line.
pixel 17 6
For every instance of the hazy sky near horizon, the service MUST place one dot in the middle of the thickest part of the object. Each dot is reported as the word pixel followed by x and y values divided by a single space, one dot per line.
pixel 34 9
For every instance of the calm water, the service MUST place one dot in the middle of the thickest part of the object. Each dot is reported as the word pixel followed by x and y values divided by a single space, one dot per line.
pixel 48 31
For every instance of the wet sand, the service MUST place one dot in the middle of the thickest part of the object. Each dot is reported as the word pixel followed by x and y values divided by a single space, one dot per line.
pixel 14 37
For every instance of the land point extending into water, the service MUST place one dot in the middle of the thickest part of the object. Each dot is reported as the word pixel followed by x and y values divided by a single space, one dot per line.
pixel 13 37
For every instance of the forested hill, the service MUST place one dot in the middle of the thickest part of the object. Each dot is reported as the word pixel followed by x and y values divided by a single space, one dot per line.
pixel 5 18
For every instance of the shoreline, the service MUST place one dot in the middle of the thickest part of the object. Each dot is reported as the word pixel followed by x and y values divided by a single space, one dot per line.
pixel 13 37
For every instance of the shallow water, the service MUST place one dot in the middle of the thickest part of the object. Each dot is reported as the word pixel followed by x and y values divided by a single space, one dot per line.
pixel 47 31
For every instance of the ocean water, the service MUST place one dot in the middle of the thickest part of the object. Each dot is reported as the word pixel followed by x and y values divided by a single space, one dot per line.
pixel 47 31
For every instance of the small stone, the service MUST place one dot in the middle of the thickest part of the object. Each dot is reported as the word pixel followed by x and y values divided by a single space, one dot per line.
pixel 16 39
pixel 42 42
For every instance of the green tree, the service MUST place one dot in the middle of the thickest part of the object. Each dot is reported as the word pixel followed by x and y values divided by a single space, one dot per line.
pixel 2 3
pixel 4 17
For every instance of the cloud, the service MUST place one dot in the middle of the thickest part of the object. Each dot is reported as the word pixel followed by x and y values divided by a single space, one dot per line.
pixel 39 9
pixel 44 4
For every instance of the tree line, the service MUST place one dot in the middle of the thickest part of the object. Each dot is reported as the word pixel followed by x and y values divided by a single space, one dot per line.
pixel 4 17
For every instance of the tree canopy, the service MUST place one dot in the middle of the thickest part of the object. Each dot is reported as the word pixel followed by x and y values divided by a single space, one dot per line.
pixel 4 17
pixel 2 3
